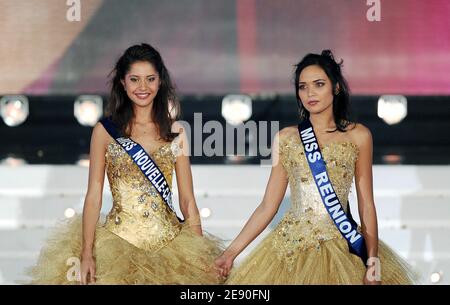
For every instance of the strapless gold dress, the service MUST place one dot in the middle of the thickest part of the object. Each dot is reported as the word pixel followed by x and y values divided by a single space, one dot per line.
pixel 306 247
pixel 141 240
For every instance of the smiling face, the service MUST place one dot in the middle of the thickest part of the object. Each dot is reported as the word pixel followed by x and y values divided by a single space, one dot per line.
pixel 315 89
pixel 141 83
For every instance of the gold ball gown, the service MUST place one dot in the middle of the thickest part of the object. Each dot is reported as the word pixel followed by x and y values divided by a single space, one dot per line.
pixel 141 240
pixel 306 247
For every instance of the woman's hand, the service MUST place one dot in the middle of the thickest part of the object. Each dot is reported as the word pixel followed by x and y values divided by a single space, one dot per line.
pixel 371 277
pixel 224 263
pixel 87 271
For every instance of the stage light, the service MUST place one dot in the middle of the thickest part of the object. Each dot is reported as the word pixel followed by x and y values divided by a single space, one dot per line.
pixel 14 109
pixel 88 109
pixel 13 161
pixel 436 277
pixel 237 159
pixel 69 213
pixel 392 159
pixel 392 108
pixel 83 160
pixel 236 108
pixel 205 212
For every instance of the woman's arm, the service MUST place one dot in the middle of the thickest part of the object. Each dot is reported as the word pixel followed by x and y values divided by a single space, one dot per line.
pixel 188 206
pixel 263 214
pixel 364 189
pixel 93 200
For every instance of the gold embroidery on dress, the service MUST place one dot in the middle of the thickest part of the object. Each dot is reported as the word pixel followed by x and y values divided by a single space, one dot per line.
pixel 139 214
pixel 307 223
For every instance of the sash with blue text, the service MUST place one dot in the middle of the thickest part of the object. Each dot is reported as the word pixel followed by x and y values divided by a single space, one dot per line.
pixel 145 163
pixel 344 222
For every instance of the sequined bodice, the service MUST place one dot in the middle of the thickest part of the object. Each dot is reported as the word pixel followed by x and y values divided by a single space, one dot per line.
pixel 139 215
pixel 307 222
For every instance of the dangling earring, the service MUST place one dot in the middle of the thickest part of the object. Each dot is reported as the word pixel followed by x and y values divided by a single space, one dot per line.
pixel 302 113
pixel 337 89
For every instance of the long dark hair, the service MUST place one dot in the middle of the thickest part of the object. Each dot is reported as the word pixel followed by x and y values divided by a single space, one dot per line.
pixel 120 106
pixel 341 100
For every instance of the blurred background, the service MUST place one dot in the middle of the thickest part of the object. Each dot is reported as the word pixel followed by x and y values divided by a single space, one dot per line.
pixel 232 62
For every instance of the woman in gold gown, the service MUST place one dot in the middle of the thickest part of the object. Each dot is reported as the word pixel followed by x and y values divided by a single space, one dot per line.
pixel 306 247
pixel 142 241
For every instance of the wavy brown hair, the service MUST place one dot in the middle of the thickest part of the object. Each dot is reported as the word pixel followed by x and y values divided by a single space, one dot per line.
pixel 120 108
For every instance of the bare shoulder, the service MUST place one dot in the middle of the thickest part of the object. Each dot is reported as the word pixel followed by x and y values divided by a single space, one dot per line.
pixel 288 131
pixel 100 135
pixel 283 134
pixel 99 130
pixel 177 127
pixel 360 134
pixel 181 136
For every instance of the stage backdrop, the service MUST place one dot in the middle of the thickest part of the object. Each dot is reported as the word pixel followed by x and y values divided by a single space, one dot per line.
pixel 221 47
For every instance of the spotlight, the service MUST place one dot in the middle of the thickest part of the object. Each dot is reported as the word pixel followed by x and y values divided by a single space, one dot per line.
pixel 236 108
pixel 83 160
pixel 14 109
pixel 436 277
pixel 205 212
pixel 69 213
pixel 13 161
pixel 392 159
pixel 237 159
pixel 392 108
pixel 88 109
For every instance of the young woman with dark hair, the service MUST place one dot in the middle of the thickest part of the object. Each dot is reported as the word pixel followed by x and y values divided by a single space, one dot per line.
pixel 140 145
pixel 317 241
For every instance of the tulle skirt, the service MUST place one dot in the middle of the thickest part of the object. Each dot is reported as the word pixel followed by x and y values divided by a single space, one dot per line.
pixel 187 259
pixel 331 263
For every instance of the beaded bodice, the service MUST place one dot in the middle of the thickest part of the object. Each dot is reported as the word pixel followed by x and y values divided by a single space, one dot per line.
pixel 139 214
pixel 307 222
